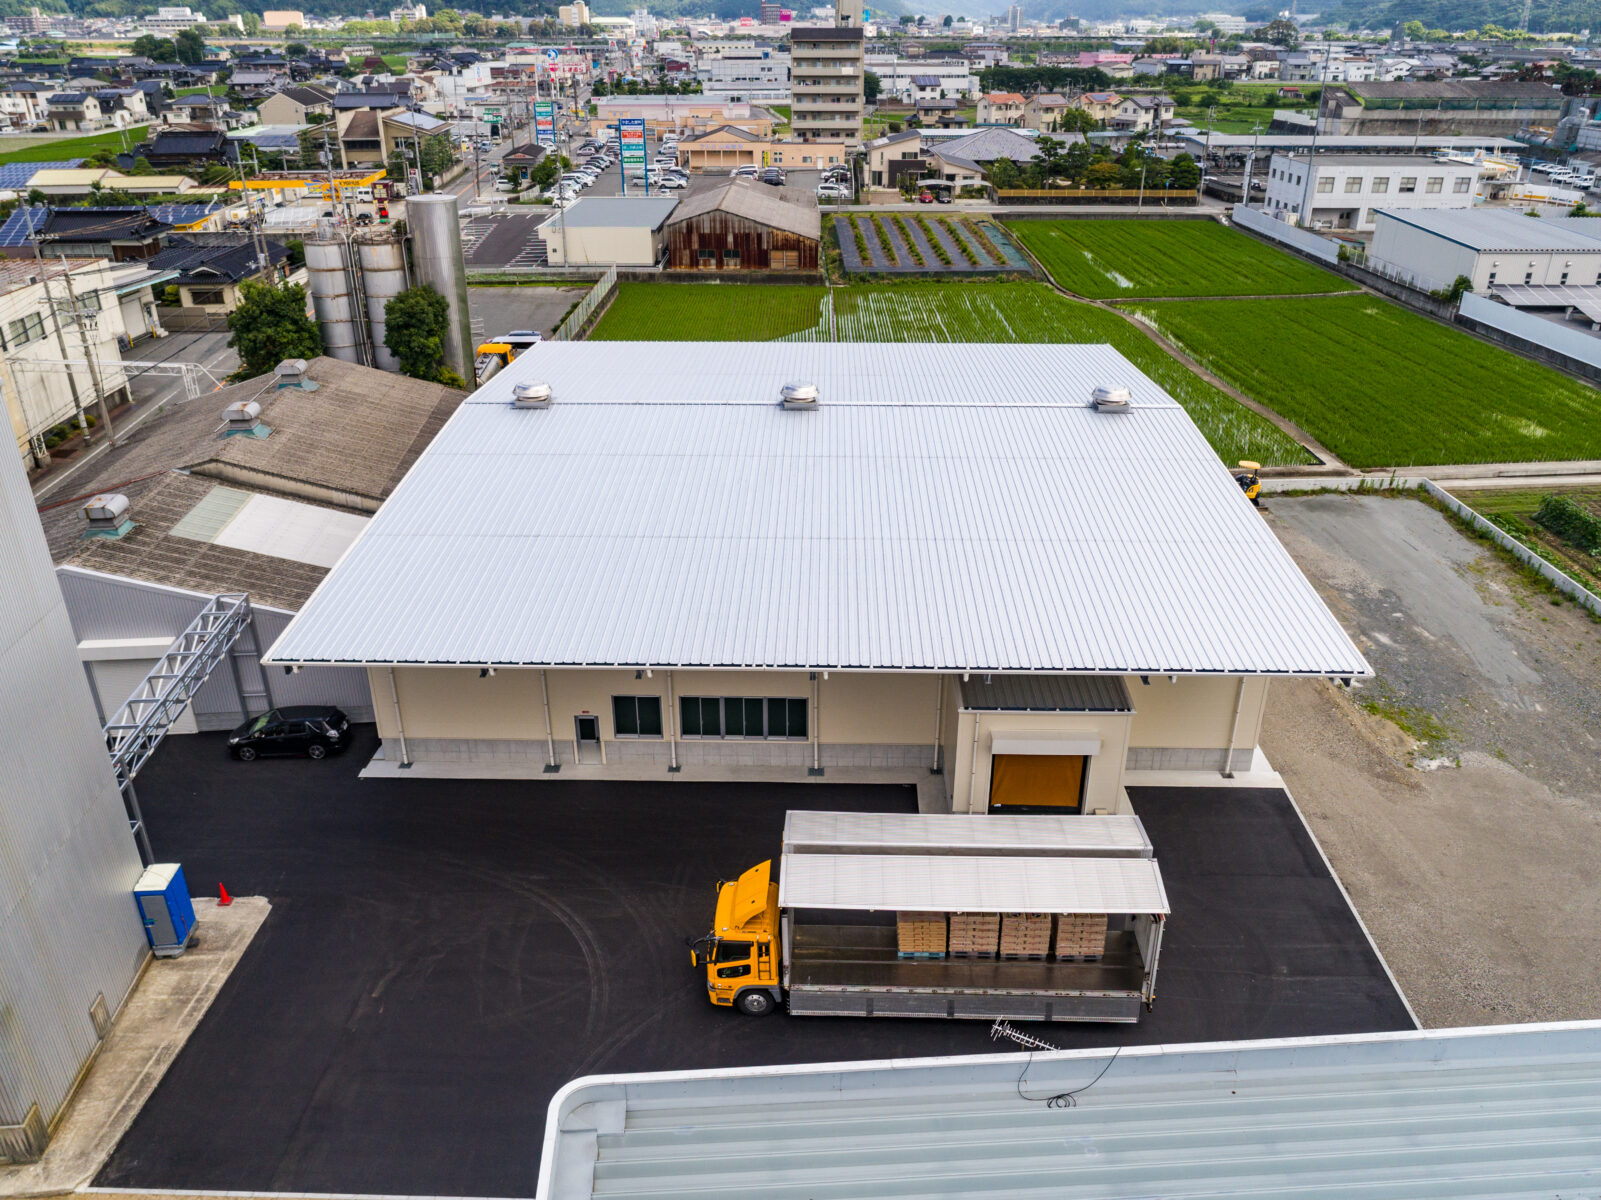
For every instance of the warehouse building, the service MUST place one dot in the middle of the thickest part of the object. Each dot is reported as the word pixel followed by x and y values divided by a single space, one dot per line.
pixel 743 225
pixel 1494 248
pixel 1345 190
pixel 603 231
pixel 667 570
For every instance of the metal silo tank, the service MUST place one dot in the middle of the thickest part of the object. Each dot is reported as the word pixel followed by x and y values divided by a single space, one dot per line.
pixel 328 271
pixel 437 256
pixel 383 277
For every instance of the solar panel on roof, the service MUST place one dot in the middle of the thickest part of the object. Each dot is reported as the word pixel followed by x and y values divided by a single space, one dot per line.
pixel 20 226
pixel 17 175
pixel 183 214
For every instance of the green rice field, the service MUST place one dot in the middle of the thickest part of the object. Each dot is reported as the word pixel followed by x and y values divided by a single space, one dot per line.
pixel 20 150
pixel 932 312
pixel 1383 387
pixel 1108 260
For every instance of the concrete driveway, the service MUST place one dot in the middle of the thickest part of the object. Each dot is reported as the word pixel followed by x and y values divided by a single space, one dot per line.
pixel 441 956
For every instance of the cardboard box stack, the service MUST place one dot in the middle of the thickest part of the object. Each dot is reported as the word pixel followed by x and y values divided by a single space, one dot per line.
pixel 1025 935
pixel 975 935
pixel 920 934
pixel 1080 935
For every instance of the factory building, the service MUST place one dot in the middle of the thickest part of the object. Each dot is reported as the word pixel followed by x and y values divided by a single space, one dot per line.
pixel 820 560
pixel 71 942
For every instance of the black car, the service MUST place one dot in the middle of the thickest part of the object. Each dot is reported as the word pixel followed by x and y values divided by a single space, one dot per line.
pixel 305 729
pixel 773 176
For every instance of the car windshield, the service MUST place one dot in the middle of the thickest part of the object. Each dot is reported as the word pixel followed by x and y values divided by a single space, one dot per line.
pixel 258 724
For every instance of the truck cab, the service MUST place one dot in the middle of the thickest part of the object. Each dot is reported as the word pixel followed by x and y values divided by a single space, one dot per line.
pixel 741 955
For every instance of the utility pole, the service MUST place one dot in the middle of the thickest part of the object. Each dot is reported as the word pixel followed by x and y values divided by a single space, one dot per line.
pixel 1305 215
pixel 1250 162
pixel 61 340
pixel 88 353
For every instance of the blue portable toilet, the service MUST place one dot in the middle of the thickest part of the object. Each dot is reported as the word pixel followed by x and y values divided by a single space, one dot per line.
pixel 164 906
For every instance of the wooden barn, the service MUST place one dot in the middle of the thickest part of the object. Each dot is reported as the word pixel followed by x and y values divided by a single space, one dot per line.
pixel 744 225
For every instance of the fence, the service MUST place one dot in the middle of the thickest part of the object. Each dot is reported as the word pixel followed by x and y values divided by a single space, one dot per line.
pixel 569 330
pixel 1306 242
pixel 1570 343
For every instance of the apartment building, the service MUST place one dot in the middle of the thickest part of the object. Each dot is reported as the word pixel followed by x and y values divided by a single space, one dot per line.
pixel 827 66
pixel 754 73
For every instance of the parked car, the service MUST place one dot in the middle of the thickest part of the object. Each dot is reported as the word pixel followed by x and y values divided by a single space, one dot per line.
pixel 744 172
pixel 671 182
pixel 505 185
pixel 773 176
pixel 364 218
pixel 833 191
pixel 313 731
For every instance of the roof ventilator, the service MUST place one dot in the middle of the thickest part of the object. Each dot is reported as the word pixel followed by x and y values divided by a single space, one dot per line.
pixel 799 393
pixel 531 395
pixel 244 420
pixel 291 373
pixel 107 515
pixel 1110 399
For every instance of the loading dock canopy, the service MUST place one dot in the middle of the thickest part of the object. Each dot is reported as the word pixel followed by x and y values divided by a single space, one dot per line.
pixel 987 834
pixel 950 883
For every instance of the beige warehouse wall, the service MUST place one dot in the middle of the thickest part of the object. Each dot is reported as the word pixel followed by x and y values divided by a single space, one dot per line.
pixel 1195 712
pixel 448 702
pixel 1103 787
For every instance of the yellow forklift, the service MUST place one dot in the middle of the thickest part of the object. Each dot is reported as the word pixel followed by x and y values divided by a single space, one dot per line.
pixel 498 352
pixel 1250 481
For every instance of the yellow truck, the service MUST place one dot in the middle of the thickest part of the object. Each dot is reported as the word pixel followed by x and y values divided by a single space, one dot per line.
pixel 1044 918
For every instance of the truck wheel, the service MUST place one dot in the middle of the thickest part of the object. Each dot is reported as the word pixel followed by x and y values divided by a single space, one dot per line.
pixel 755 1003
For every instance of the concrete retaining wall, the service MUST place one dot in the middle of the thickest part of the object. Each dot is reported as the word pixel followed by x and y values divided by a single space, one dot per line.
pixel 1302 240
pixel 1566 349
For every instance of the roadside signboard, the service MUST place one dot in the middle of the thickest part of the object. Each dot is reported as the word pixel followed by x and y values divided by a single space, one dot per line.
pixel 545 123
pixel 631 144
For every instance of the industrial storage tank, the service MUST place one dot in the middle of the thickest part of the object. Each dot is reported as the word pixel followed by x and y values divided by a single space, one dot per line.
pixel 437 256
pixel 333 294
pixel 382 258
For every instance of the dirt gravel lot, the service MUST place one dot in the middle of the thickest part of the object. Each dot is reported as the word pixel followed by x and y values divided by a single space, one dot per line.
pixel 1458 793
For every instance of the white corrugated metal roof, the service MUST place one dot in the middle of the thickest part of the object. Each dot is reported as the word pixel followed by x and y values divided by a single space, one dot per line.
pixel 954 883
pixel 980 833
pixel 1512 1112
pixel 946 507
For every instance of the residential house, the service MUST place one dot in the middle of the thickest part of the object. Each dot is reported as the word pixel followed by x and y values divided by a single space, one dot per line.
pixel 967 160
pixel 368 136
pixel 209 275
pixel 893 156
pixel 122 107
pixel 252 85
pixel 941 114
pixel 183 149
pixel 1001 108
pixel 296 105
pixel 25 103
pixel 121 233
pixel 1137 114
pixel 75 112
pixel 1044 110
pixel 1296 66
pixel 198 109
pixel 1102 106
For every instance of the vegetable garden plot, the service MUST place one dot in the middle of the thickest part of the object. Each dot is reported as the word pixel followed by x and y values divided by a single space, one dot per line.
pixel 924 244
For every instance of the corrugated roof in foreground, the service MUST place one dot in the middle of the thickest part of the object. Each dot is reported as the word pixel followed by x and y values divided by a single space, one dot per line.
pixel 1512 1112
pixel 951 507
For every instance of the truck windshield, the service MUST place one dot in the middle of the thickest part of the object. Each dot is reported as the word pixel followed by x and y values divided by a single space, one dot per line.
pixel 732 951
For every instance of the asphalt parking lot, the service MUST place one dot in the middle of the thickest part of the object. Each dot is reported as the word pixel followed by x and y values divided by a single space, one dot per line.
pixel 441 956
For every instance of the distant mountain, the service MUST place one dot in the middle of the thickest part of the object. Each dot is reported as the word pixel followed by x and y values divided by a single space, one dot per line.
pixel 1545 16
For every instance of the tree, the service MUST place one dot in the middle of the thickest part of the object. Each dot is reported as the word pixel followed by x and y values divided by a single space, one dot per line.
pixel 141 166
pixel 1184 172
pixel 157 49
pixel 190 46
pixel 870 86
pixel 296 50
pixel 416 323
pixel 1280 32
pixel 271 325
pixel 947 22
pixel 1003 173
pixel 1105 174
pixel 252 22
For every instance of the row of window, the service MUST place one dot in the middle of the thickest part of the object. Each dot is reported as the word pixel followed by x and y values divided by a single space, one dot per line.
pixel 1409 183
pixel 31 328
pixel 764 717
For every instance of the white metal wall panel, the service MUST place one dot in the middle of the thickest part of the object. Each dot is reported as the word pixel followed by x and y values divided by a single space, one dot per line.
pixel 982 833
pixel 68 928
pixel 947 507
pixel 110 606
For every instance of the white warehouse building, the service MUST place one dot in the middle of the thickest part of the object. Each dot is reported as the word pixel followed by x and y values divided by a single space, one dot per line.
pixel 916 576
pixel 1492 247
pixel 1346 189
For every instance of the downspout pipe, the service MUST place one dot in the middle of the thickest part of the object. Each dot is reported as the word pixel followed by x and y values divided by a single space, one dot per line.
pixel 400 727
pixel 551 765
pixel 1234 730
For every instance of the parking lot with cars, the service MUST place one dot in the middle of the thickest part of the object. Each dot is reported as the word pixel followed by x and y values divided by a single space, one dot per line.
pixel 443 955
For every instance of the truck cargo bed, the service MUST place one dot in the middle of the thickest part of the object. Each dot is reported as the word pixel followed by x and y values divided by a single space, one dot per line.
pixel 850 970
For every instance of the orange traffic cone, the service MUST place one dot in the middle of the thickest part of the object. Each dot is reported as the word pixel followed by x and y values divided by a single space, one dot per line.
pixel 224 900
